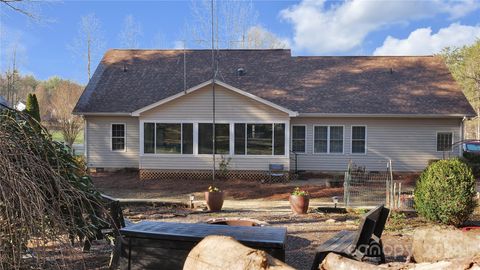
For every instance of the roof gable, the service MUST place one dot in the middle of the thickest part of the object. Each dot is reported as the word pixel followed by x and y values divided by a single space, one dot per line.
pixel 200 86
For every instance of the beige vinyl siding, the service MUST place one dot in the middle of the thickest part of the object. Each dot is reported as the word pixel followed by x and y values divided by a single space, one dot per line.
pixel 410 143
pixel 230 106
pixel 197 107
pixel 205 162
pixel 99 152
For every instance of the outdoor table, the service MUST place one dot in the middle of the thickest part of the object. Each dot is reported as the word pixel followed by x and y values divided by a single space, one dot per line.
pixel 165 245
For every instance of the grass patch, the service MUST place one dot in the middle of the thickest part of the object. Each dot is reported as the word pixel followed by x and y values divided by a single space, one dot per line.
pixel 57 136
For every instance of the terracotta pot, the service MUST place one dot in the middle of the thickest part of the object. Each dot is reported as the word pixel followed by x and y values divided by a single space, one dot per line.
pixel 214 201
pixel 299 204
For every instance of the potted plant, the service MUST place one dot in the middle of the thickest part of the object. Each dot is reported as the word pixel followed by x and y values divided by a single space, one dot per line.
pixel 299 200
pixel 214 198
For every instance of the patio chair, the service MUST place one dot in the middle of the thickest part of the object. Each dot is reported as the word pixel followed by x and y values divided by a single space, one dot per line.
pixel 365 242
pixel 276 171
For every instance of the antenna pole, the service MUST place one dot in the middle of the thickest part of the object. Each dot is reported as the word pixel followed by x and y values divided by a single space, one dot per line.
pixel 184 69
pixel 213 92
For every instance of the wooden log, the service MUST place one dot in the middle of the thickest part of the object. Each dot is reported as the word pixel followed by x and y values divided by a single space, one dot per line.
pixel 437 244
pixel 337 262
pixel 222 252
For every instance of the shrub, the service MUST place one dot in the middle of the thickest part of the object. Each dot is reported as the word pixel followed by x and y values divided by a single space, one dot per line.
pixel 445 192
pixel 32 107
pixel 44 196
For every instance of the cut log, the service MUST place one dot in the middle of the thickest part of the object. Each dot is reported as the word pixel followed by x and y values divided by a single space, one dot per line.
pixel 222 252
pixel 337 262
pixel 437 244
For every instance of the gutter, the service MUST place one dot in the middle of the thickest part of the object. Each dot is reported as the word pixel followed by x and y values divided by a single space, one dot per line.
pixel 333 115
pixel 102 113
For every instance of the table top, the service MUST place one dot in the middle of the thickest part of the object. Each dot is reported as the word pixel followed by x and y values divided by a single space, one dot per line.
pixel 253 236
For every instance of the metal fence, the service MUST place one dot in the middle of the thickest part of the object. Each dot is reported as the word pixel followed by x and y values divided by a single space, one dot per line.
pixel 364 188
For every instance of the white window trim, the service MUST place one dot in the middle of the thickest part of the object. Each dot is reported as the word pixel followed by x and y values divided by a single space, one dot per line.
pixel 232 138
pixel 328 140
pixel 124 137
pixel 351 140
pixel 436 141
pixel 142 126
pixel 305 137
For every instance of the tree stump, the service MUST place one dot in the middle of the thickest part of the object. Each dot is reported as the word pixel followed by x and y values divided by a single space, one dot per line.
pixel 222 252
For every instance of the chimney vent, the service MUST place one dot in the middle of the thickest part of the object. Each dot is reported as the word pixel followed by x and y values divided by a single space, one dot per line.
pixel 125 69
pixel 241 71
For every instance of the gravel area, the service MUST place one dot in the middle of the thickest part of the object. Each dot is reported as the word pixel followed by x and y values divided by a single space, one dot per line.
pixel 305 232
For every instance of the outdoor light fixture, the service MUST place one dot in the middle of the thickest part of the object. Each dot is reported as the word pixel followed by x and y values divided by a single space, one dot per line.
pixel 335 200
pixel 192 198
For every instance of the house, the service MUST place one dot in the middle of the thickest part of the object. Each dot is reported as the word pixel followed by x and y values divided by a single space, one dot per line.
pixel 20 106
pixel 152 110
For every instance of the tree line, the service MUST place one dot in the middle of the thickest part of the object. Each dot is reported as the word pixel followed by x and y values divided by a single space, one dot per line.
pixel 56 99
pixel 464 64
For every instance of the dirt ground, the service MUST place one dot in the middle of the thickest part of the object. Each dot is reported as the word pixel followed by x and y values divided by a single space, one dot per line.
pixel 305 232
pixel 128 185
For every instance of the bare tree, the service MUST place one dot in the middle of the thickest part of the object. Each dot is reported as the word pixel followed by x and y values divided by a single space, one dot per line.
pixel 25 7
pixel 63 100
pixel 260 38
pixel 235 26
pixel 233 19
pixel 159 41
pixel 131 32
pixel 89 43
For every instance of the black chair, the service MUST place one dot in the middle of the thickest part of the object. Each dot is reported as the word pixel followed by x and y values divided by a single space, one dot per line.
pixel 365 242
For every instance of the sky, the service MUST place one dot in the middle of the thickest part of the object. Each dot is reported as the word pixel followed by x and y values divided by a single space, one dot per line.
pixel 47 47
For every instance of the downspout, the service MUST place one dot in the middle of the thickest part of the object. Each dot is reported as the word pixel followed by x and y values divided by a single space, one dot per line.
pixel 85 139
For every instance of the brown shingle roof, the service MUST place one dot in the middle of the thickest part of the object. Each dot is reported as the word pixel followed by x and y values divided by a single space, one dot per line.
pixel 327 85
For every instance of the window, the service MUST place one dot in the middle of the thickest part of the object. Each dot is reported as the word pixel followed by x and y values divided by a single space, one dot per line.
pixel 298 139
pixel 328 139
pixel 118 137
pixel 359 135
pixel 167 138
pixel 320 136
pixel 336 139
pixel 240 139
pixel 187 138
pixel 279 139
pixel 259 139
pixel 205 138
pixel 444 141
pixel 149 138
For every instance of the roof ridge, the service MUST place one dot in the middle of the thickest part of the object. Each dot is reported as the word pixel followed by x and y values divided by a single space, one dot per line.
pixel 121 49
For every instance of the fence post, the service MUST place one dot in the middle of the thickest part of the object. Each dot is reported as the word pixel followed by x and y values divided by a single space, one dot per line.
pixel 387 187
pixel 346 191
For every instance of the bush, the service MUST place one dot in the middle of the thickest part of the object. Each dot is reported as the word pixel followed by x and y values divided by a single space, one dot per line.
pixel 445 192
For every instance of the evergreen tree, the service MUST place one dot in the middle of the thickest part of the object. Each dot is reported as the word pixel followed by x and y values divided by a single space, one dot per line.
pixel 32 107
